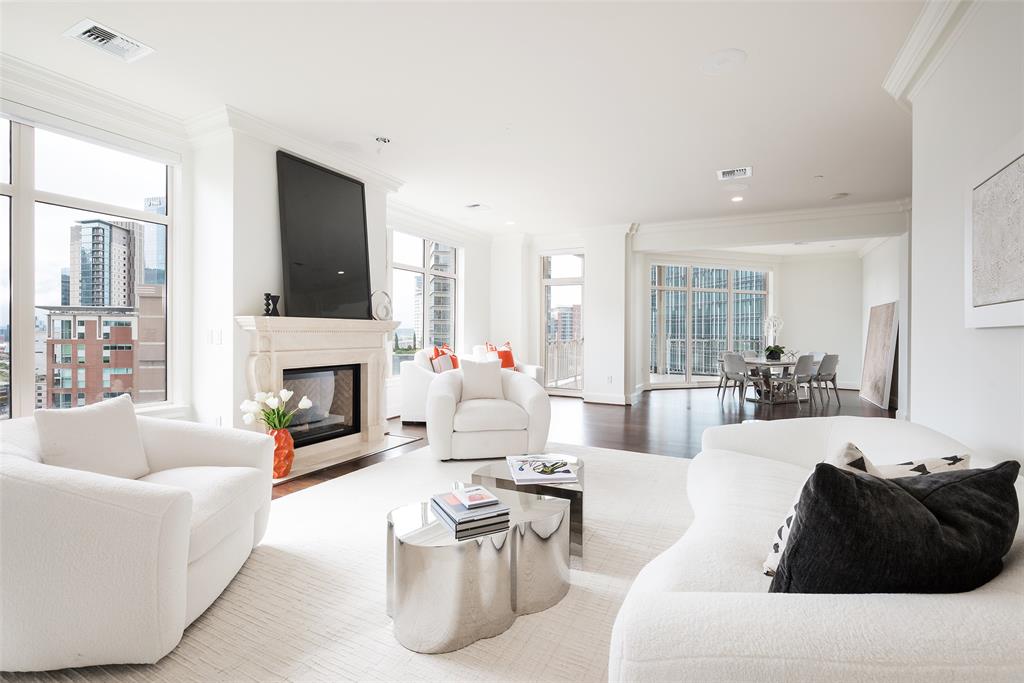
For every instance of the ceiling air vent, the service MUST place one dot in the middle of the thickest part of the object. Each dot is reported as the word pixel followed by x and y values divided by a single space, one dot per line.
pixel 108 40
pixel 736 173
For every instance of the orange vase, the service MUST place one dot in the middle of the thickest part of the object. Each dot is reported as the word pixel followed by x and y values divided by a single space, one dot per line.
pixel 284 452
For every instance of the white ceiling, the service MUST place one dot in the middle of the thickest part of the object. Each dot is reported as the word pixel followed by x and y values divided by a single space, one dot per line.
pixel 559 116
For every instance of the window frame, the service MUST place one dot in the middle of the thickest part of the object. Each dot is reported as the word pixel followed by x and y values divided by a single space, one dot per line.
pixel 23 199
pixel 688 378
pixel 426 272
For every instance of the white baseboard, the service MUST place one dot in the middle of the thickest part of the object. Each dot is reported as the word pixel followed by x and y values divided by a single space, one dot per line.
pixel 595 397
pixel 853 386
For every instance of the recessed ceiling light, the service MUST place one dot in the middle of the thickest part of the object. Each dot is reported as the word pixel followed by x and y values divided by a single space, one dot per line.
pixel 341 272
pixel 723 61
pixel 737 198
pixel 840 195
pixel 510 222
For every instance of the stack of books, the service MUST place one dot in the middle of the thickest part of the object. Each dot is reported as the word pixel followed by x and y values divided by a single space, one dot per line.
pixel 470 512
pixel 541 469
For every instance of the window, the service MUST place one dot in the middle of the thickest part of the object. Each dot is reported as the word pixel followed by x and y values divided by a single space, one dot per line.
pixel 700 312
pixel 562 323
pixel 100 220
pixel 423 288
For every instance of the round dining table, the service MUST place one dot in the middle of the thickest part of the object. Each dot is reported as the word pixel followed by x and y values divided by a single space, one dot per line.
pixel 764 368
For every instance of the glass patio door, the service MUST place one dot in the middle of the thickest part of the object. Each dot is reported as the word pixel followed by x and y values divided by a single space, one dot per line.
pixel 562 324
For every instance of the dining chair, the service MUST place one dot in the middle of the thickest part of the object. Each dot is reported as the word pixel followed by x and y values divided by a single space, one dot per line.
pixel 802 374
pixel 749 355
pixel 827 373
pixel 734 369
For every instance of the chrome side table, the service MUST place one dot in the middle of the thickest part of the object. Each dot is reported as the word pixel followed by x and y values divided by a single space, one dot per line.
pixel 495 475
pixel 444 594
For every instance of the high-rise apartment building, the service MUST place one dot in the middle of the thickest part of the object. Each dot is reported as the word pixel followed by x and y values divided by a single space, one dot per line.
pixel 106 263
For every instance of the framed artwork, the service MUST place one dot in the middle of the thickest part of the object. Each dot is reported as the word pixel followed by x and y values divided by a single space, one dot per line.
pixel 994 240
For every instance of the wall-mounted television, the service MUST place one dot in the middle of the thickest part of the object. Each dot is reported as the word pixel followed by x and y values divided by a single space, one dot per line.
pixel 326 264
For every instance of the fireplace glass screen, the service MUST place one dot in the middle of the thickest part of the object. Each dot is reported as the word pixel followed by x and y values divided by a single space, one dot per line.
pixel 334 392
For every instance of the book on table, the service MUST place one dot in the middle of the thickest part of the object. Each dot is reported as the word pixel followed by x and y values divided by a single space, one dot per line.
pixel 541 469
pixel 466 521
pixel 475 497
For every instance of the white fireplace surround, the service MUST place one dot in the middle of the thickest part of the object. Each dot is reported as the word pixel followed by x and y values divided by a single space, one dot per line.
pixel 277 344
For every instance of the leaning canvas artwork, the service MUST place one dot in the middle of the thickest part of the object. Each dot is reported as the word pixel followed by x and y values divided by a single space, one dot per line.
pixel 998 237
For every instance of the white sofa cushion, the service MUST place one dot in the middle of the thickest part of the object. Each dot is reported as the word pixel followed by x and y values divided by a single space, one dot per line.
pixel 489 414
pixel 481 379
pixel 223 498
pixel 102 438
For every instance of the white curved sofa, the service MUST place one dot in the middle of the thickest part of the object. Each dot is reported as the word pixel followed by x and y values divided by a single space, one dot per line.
pixel 487 427
pixel 96 569
pixel 701 611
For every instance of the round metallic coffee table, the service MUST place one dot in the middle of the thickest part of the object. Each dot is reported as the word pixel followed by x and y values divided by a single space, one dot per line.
pixel 444 594
pixel 495 475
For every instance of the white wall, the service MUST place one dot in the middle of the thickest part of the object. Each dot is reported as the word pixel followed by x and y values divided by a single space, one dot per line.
pixel 884 276
pixel 968 383
pixel 819 300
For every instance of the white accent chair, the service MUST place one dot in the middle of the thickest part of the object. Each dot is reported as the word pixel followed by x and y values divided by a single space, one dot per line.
pixel 96 569
pixel 487 427
pixel 416 376
pixel 701 611
pixel 534 372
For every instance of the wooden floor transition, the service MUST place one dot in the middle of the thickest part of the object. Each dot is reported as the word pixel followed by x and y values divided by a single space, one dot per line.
pixel 664 421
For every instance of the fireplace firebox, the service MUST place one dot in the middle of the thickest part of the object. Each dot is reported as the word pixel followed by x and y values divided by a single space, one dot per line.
pixel 335 393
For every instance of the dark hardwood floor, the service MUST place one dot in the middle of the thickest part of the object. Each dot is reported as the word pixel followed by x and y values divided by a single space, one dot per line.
pixel 664 421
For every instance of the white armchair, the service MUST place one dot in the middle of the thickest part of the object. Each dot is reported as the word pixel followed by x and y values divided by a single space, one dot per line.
pixel 416 376
pixel 487 427
pixel 96 569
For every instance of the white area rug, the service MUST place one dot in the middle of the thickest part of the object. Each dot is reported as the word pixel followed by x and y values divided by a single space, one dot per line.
pixel 309 604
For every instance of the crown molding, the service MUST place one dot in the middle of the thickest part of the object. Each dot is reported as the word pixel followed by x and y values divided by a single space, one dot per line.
pixel 901 206
pixel 403 216
pixel 39 95
pixel 934 31
pixel 201 127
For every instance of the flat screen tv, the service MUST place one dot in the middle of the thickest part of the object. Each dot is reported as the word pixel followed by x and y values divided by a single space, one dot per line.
pixel 323 241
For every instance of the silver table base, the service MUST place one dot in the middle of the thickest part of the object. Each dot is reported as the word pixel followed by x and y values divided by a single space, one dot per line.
pixel 444 594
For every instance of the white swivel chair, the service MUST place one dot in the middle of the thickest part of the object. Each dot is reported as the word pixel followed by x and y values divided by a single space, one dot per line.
pixel 98 569
pixel 487 427
pixel 826 374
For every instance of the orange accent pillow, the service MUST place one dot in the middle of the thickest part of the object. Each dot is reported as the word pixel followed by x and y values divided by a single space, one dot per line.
pixel 443 350
pixel 504 354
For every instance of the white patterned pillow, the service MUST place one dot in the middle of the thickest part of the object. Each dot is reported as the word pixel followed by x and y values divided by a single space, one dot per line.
pixel 852 459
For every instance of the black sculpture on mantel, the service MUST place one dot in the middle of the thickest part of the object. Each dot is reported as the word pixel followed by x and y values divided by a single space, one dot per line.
pixel 270 304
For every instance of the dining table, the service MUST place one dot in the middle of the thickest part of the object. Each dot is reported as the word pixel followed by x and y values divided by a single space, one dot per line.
pixel 765 368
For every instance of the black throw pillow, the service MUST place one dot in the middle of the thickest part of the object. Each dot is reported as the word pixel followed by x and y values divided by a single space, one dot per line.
pixel 855 533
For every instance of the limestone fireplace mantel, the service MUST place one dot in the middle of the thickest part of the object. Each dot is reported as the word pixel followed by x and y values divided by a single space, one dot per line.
pixel 277 344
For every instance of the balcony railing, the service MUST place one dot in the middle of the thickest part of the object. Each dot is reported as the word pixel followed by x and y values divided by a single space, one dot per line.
pixel 563 364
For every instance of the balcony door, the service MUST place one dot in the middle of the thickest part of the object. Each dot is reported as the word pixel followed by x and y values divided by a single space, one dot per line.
pixel 562 324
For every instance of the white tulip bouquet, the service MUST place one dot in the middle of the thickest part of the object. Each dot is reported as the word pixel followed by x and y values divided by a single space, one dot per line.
pixel 271 409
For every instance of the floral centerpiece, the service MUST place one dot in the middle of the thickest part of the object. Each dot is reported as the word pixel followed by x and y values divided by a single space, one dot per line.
pixel 272 410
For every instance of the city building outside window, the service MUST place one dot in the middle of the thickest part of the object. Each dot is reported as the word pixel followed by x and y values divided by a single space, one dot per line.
pixel 697 313
pixel 99 219
pixel 423 295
